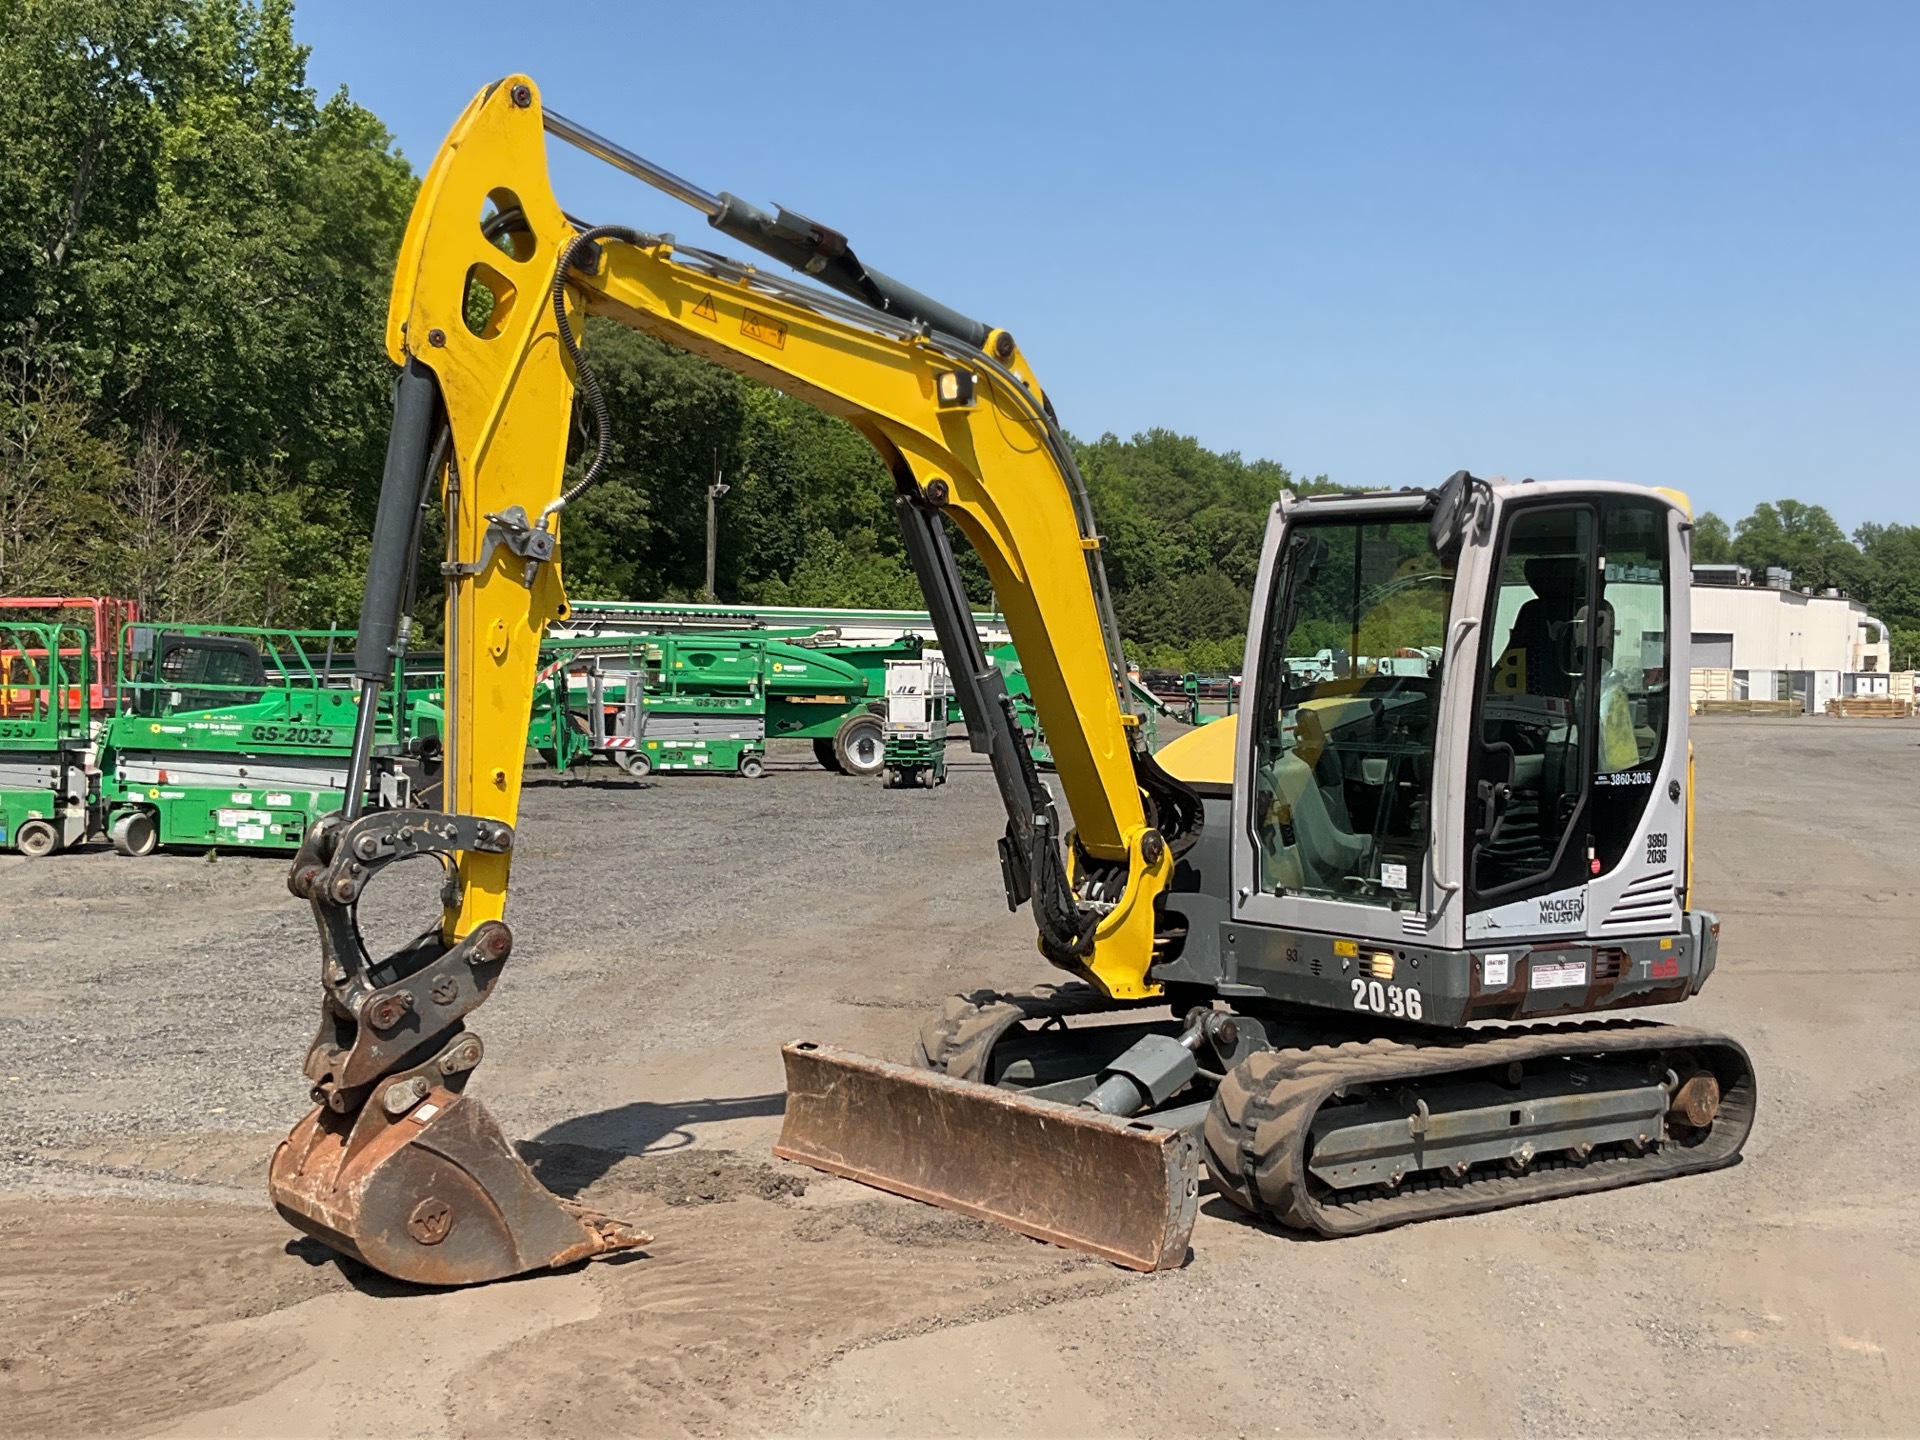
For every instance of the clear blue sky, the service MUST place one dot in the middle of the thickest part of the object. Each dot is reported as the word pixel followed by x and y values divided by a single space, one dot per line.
pixel 1673 244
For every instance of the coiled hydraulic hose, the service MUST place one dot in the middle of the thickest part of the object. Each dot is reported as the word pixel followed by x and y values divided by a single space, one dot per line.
pixel 589 382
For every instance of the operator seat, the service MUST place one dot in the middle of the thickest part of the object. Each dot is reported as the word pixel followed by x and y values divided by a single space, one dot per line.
pixel 1537 629
pixel 1306 847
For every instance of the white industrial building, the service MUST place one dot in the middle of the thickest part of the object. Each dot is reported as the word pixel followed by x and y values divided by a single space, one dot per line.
pixel 1774 642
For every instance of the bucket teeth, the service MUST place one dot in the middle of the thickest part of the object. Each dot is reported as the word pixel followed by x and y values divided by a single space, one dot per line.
pixel 436 1196
pixel 604 1233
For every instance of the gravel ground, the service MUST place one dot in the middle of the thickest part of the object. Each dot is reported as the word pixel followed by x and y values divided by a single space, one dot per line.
pixel 654 920
pixel 672 933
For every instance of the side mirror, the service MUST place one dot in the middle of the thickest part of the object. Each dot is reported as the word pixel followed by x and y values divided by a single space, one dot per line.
pixel 1453 510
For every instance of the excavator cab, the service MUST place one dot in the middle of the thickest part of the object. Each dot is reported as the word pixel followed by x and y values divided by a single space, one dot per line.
pixel 1489 754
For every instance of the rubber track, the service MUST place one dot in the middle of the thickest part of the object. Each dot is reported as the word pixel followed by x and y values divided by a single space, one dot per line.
pixel 1257 1128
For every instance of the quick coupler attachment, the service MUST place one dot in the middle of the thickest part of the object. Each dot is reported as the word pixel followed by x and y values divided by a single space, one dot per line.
pixel 1126 1190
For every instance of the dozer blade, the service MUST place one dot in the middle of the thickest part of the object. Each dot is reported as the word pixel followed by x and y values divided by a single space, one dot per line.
pixel 436 1197
pixel 1125 1190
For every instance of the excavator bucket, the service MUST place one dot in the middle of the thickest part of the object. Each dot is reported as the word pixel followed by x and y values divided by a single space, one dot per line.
pixel 436 1196
pixel 1125 1190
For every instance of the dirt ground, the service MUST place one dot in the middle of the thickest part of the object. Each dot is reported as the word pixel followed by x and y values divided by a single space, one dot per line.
pixel 672 934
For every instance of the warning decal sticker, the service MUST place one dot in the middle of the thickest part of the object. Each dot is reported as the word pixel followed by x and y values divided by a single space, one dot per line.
pixel 1559 975
pixel 764 328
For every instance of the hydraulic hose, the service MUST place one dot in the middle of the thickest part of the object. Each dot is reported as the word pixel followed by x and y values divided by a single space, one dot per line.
pixel 581 244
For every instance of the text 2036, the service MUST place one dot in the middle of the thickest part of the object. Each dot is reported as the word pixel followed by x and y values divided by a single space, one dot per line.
pixel 1401 1002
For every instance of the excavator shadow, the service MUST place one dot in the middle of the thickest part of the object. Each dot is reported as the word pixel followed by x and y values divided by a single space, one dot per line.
pixel 570 1156
pixel 371 1282
pixel 363 1278
pixel 1217 1207
pixel 549 780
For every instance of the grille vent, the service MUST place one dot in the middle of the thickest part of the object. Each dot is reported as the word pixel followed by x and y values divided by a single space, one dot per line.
pixel 1648 901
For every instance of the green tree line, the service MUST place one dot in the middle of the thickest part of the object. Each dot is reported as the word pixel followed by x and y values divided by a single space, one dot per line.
pixel 194 259
pixel 195 254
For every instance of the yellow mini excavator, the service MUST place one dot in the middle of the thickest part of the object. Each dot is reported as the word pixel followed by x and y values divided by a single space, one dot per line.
pixel 1459 792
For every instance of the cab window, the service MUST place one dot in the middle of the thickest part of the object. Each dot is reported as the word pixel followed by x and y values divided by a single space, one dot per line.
pixel 205 672
pixel 1347 708
pixel 1634 687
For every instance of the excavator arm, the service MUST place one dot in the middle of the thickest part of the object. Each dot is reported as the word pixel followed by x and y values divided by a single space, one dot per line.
pixel 494 282
pixel 961 422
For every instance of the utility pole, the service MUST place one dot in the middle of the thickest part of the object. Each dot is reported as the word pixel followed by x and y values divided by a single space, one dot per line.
pixel 714 492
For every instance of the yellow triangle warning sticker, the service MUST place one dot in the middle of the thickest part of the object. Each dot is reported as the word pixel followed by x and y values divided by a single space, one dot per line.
pixel 705 309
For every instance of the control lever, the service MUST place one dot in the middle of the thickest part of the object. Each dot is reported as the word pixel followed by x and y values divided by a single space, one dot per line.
pixel 1495 796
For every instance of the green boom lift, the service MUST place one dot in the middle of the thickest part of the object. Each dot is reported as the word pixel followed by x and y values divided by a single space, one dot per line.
pixel 688 702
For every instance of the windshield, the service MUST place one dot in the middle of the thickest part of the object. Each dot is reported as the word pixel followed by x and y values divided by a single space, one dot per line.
pixel 1349 697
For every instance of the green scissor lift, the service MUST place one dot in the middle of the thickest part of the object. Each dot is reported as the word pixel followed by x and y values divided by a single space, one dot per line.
pixel 239 737
pixel 613 696
pixel 46 715
pixel 1197 688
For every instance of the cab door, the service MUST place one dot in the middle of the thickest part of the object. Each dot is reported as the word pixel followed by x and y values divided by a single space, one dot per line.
pixel 1573 704
pixel 1527 787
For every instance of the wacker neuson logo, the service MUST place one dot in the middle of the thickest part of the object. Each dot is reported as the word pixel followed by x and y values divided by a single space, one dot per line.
pixel 1566 911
